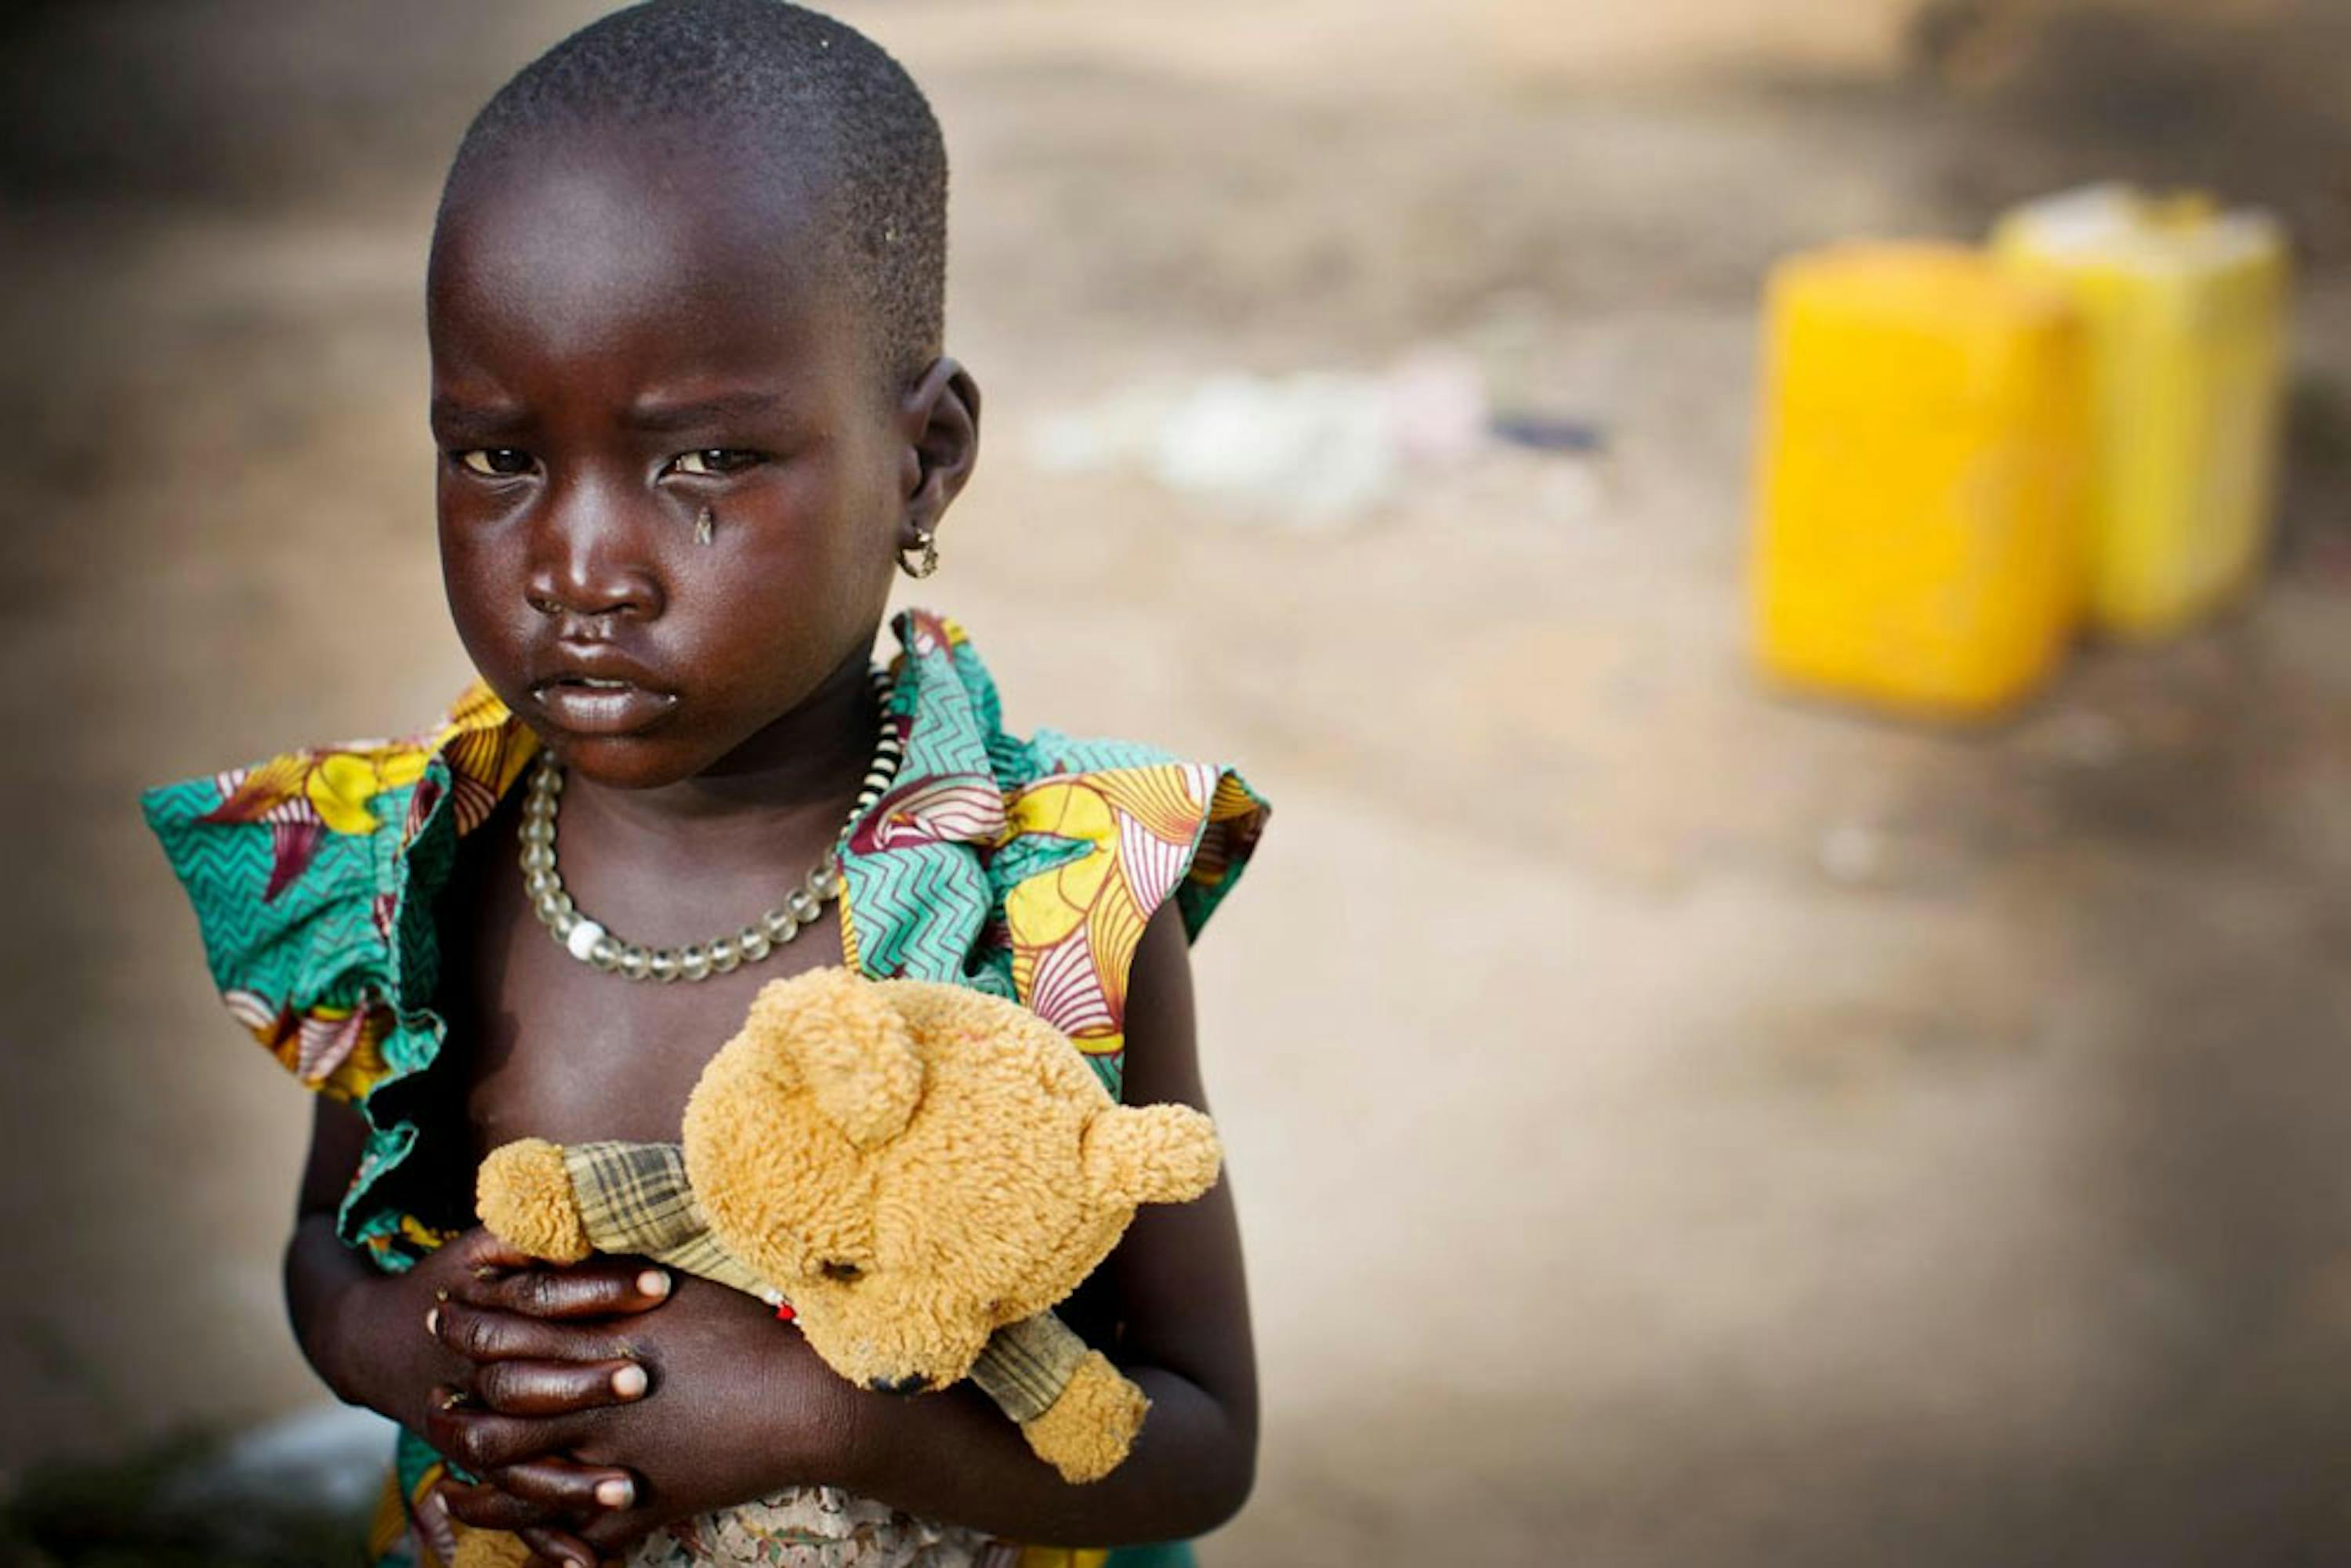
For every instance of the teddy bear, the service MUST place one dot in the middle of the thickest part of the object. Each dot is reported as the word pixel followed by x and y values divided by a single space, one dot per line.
pixel 916 1173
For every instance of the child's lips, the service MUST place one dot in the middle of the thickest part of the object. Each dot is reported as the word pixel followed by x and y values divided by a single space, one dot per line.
pixel 587 705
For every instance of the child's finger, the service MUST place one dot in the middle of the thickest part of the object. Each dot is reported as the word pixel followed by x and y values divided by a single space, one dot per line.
pixel 557 1489
pixel 600 1288
pixel 490 1507
pixel 559 1546
pixel 557 1388
pixel 482 1248
pixel 485 1335
pixel 481 1440
pixel 611 1535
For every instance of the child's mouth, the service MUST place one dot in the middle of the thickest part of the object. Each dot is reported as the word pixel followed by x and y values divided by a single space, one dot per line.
pixel 597 705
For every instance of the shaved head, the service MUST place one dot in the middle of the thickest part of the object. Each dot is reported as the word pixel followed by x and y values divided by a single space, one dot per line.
pixel 783 105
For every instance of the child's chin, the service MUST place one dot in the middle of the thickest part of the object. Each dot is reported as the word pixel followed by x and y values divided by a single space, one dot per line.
pixel 626 761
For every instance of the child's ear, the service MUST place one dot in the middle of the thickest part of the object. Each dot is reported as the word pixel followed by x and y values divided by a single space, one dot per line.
pixel 940 417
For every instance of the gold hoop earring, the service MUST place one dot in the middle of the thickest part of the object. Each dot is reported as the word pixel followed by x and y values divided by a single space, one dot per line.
pixel 926 541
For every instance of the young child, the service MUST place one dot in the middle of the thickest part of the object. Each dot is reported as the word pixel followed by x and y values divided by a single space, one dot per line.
pixel 685 307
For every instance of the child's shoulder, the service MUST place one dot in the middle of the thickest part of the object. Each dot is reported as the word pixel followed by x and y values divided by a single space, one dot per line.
pixel 312 874
pixel 953 721
pixel 297 867
pixel 340 789
pixel 1023 804
pixel 1025 864
pixel 1031 866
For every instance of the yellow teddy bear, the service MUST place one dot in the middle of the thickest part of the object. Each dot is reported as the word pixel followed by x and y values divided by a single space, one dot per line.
pixel 920 1170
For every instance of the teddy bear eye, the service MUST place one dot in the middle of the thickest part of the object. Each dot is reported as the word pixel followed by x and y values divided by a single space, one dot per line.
pixel 839 1268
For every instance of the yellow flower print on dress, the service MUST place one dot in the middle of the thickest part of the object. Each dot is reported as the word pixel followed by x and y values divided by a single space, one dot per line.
pixel 337 1051
pixel 1074 929
pixel 305 795
pixel 486 748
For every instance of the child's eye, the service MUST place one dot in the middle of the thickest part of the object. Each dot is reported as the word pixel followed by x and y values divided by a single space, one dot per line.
pixel 713 461
pixel 495 462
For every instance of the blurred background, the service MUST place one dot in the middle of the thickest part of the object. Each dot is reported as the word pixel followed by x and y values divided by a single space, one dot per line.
pixel 1672 1123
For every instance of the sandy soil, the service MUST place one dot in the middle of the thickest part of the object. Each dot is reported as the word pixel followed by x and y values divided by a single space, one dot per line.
pixel 1672 1124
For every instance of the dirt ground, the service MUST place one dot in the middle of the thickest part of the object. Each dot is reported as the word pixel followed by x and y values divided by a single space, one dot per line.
pixel 1672 1124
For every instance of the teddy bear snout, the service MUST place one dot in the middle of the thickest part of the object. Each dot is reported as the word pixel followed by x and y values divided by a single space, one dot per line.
pixel 913 1382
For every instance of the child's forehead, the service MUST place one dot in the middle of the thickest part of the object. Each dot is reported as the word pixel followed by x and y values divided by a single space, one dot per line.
pixel 638 262
pixel 710 210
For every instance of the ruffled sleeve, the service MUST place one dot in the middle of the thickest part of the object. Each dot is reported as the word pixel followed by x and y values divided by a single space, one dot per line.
pixel 280 862
pixel 1090 854
pixel 1029 867
pixel 313 877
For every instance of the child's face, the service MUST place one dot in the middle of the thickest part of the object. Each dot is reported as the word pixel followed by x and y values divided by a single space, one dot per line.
pixel 621 337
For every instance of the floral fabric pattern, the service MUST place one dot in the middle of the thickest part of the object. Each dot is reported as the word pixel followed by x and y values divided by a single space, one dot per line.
pixel 810 1527
pixel 1030 868
pixel 1026 868
pixel 312 876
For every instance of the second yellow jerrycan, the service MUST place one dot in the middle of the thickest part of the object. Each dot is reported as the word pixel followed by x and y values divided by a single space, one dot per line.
pixel 1919 514
pixel 2185 310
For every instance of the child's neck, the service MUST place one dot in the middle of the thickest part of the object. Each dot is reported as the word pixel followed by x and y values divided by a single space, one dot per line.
pixel 806 765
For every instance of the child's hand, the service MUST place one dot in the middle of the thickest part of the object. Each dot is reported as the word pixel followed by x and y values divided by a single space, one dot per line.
pixel 528 1353
pixel 740 1409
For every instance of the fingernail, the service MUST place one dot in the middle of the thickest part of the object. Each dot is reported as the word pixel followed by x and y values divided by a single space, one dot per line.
pixel 653 1283
pixel 615 1493
pixel 432 1322
pixel 629 1382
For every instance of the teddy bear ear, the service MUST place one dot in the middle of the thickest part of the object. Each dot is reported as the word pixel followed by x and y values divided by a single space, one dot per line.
pixel 1150 1154
pixel 836 1034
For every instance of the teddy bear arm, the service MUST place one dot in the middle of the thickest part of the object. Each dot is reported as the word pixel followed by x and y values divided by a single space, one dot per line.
pixel 1079 1414
pixel 632 1198
pixel 1091 1428
pixel 636 1198
pixel 524 1194
pixel 564 1202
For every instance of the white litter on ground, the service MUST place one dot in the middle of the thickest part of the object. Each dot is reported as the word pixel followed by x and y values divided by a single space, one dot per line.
pixel 1315 449
pixel 329 1460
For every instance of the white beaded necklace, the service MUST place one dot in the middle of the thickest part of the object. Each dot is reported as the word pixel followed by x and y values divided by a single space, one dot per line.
pixel 588 941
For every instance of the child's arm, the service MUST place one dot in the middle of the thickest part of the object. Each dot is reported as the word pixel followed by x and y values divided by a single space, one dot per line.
pixel 365 1332
pixel 1170 1306
pixel 742 1409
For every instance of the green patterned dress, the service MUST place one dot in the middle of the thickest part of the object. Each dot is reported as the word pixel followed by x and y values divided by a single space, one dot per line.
pixel 1026 868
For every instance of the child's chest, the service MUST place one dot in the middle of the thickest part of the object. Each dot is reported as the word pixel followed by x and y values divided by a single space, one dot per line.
pixel 543 1045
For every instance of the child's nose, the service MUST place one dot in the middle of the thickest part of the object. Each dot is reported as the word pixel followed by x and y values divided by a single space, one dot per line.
pixel 590 560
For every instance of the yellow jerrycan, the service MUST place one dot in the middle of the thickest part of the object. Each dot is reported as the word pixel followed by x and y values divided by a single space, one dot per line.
pixel 2184 308
pixel 1919 511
